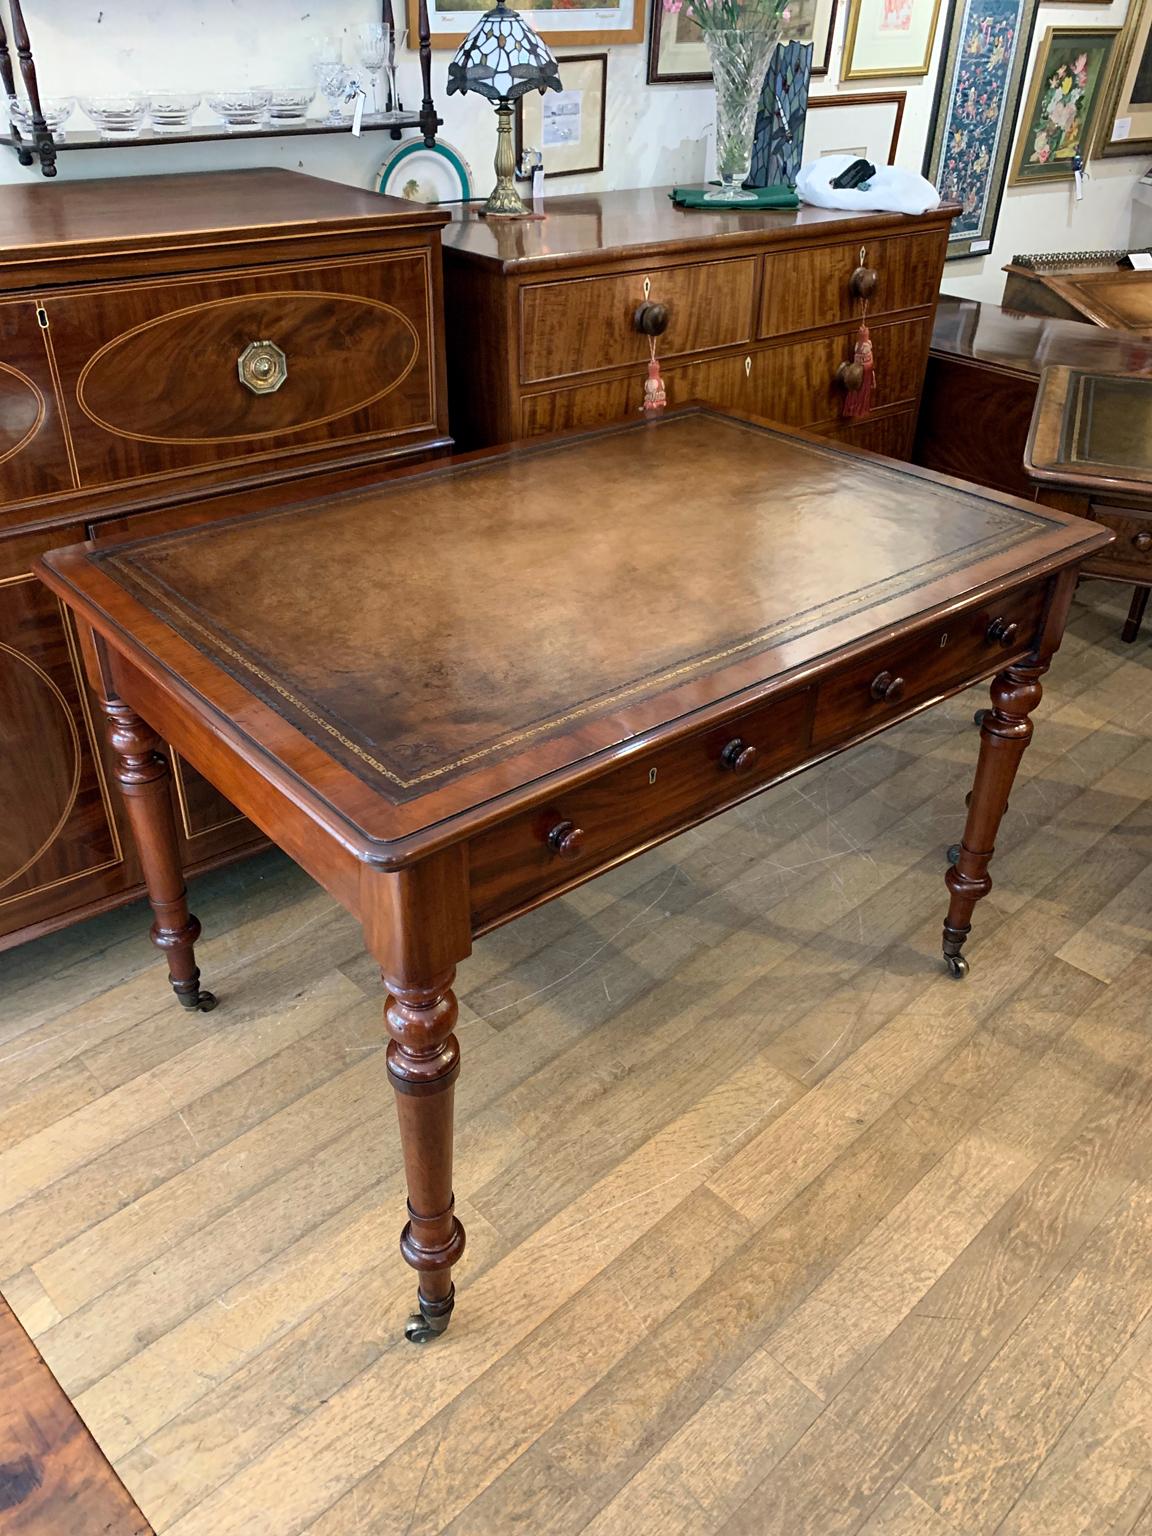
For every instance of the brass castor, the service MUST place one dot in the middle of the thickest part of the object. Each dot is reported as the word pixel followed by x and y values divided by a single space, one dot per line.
pixel 954 853
pixel 201 1001
pixel 419 1329
pixel 957 966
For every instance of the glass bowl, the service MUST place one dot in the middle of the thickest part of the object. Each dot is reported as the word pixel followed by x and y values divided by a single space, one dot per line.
pixel 291 104
pixel 172 110
pixel 56 109
pixel 243 108
pixel 117 117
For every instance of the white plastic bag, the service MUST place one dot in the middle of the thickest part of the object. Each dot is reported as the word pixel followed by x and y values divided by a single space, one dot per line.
pixel 891 190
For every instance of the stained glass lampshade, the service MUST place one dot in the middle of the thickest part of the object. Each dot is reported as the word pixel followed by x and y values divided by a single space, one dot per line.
pixel 503 58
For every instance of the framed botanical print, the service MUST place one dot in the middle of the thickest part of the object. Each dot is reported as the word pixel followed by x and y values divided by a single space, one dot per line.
pixel 559 22
pixel 567 126
pixel 1057 123
pixel 1124 118
pixel 889 37
pixel 977 98
pixel 677 51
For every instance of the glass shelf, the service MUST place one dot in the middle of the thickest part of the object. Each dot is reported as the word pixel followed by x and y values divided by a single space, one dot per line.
pixel 209 133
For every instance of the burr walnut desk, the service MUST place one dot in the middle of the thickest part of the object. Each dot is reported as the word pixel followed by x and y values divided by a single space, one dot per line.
pixel 458 694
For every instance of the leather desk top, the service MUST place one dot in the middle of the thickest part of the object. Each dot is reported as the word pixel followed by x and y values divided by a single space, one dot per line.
pixel 409 652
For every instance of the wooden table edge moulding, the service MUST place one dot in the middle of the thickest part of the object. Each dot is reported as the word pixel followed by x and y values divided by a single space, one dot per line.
pixel 428 860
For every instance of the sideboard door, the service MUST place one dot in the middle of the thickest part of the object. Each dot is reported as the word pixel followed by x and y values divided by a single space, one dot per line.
pixel 35 457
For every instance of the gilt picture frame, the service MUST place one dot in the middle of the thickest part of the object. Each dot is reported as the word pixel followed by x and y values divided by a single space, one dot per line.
pixel 1124 116
pixel 887 38
pixel 977 98
pixel 1059 118
pixel 561 23
pixel 677 53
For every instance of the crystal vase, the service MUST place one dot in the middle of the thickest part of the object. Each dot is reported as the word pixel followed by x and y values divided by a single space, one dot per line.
pixel 739 63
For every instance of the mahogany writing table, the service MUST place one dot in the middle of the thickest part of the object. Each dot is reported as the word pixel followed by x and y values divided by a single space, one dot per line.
pixel 453 695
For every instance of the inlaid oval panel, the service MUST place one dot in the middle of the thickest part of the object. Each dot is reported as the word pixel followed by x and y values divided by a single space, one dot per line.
pixel 21 411
pixel 39 769
pixel 175 379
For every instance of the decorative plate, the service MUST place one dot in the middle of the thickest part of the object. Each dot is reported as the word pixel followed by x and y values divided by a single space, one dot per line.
pixel 422 175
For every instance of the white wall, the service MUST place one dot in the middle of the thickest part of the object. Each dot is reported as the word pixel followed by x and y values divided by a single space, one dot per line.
pixel 655 134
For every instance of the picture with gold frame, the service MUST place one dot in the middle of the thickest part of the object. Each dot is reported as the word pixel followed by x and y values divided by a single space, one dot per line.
pixel 677 51
pixel 1059 117
pixel 561 23
pixel 1124 115
pixel 889 38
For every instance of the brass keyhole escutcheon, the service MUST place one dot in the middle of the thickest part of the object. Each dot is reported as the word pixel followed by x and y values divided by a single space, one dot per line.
pixel 262 367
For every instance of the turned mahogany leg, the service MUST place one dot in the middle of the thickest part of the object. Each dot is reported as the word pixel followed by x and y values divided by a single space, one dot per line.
pixel 143 776
pixel 1135 615
pixel 1004 733
pixel 423 1063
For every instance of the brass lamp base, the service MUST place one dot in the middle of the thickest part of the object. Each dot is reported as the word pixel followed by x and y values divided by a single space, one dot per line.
pixel 505 202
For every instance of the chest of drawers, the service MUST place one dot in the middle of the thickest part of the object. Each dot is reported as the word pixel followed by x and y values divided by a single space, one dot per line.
pixel 163 338
pixel 758 312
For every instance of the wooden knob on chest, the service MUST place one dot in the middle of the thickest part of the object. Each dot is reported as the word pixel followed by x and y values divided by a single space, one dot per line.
pixel 651 319
pixel 862 283
pixel 1142 540
pixel 738 756
pixel 566 839
pixel 850 376
pixel 1002 632
pixel 886 689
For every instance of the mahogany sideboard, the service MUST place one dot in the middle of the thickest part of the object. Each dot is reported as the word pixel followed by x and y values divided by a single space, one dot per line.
pixel 979 396
pixel 670 630
pixel 163 338
pixel 755 311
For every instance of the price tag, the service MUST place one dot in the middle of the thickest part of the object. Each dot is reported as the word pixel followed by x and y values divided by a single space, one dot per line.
pixel 1078 176
pixel 979 247
pixel 1122 127
pixel 358 112
pixel 538 186
pixel 1141 261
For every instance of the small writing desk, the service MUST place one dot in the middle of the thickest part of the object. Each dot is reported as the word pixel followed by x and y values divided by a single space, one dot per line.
pixel 456 694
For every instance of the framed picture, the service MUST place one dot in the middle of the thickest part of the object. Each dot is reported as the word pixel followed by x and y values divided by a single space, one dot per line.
pixel 1070 69
pixel 677 51
pixel 559 22
pixel 567 126
pixel 977 98
pixel 1124 119
pixel 866 126
pixel 889 37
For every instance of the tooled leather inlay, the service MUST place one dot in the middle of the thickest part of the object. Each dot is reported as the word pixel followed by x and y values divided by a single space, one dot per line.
pixel 426 627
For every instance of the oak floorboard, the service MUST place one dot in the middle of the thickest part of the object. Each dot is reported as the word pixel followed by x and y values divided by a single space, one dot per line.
pixel 773 1228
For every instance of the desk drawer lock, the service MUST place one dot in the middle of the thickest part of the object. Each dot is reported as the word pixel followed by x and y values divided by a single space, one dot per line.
pixel 738 756
pixel 887 689
pixel 566 839
pixel 1002 632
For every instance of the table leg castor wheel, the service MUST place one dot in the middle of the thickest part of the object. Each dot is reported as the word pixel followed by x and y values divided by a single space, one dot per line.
pixel 419 1329
pixel 957 966
pixel 954 853
pixel 201 1001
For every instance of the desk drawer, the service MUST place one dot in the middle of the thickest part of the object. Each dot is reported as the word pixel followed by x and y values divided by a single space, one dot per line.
pixel 587 323
pixel 1131 554
pixel 653 796
pixel 942 656
pixel 806 289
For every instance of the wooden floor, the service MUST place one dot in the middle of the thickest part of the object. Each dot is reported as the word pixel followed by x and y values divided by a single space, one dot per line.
pixel 773 1228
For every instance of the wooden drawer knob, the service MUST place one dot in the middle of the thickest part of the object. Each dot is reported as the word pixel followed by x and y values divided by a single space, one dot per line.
pixel 651 319
pixel 850 376
pixel 1002 632
pixel 887 689
pixel 1142 541
pixel 862 283
pixel 738 756
pixel 566 839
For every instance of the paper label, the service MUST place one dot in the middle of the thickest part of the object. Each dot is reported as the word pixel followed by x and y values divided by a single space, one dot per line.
pixel 1141 261
pixel 537 186
pixel 1122 127
pixel 978 247
pixel 358 113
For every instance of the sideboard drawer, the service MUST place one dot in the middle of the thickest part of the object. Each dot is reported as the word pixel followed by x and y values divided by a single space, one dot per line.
pixel 586 323
pixel 722 381
pixel 151 372
pixel 1131 553
pixel 806 289
pixel 939 657
pixel 797 384
pixel 649 796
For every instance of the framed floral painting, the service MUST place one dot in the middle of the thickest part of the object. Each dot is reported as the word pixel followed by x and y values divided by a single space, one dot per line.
pixel 977 97
pixel 677 52
pixel 1070 69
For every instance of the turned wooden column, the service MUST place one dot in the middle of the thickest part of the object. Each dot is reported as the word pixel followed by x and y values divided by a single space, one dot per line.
pixel 423 1064
pixel 1005 730
pixel 142 773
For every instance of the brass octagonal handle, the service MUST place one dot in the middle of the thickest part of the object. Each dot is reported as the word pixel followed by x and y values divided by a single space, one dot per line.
pixel 566 839
pixel 887 689
pixel 262 366
pixel 1142 541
